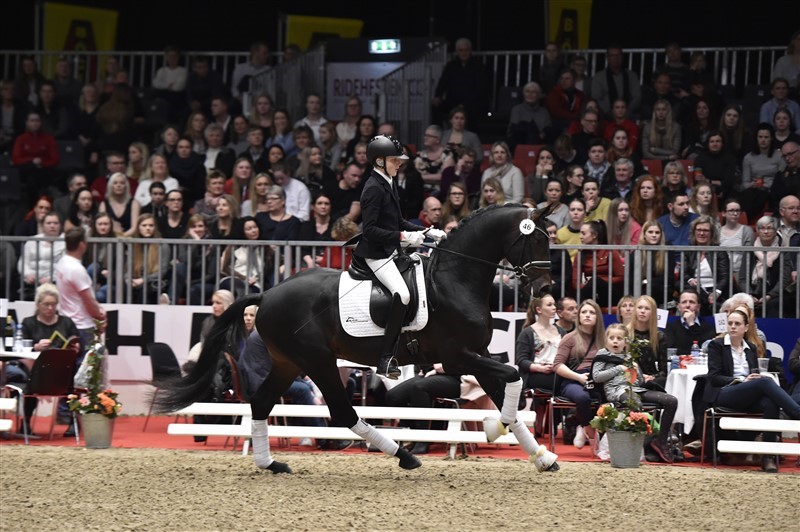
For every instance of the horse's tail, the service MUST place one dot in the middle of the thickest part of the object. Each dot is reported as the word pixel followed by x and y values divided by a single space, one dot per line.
pixel 183 391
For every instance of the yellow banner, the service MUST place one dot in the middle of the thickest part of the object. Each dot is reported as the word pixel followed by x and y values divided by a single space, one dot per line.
pixel 568 23
pixel 76 28
pixel 307 31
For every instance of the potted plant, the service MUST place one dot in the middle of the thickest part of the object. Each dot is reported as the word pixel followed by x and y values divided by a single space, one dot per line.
pixel 626 427
pixel 97 404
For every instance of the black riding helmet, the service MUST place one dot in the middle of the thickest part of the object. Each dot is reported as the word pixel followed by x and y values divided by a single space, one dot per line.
pixel 384 146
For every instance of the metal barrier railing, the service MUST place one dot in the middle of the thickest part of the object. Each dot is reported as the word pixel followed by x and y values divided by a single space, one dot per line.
pixel 183 279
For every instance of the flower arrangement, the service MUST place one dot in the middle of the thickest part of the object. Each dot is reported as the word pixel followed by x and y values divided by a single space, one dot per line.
pixel 97 399
pixel 628 419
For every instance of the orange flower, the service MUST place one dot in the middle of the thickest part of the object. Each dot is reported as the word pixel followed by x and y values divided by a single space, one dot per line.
pixel 631 375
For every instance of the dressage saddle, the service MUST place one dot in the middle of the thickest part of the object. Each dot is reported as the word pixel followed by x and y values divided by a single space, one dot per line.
pixel 380 299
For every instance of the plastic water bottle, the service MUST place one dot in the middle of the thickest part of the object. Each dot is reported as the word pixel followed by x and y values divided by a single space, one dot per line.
pixel 695 352
pixel 674 360
pixel 18 340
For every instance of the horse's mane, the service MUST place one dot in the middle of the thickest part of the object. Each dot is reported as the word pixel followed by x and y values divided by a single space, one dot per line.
pixel 456 231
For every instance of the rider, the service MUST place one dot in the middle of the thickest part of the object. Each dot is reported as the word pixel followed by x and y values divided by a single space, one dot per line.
pixel 384 231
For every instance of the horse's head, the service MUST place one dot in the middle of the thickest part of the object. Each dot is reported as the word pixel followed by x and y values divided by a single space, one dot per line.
pixel 529 251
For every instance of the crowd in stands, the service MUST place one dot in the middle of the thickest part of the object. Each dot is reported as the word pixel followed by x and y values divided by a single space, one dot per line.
pixel 624 161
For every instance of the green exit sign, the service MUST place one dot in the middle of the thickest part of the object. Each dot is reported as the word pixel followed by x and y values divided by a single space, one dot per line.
pixel 384 46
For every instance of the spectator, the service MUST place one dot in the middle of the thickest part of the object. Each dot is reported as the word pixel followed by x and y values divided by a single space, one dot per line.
pixel 116 120
pixel 106 80
pixel 759 169
pixel 410 185
pixel 596 207
pixel 158 173
pixel 491 193
pixel 623 230
pixel 596 272
pixel 347 128
pixel 339 258
pixel 169 141
pixel 63 205
pixel 646 199
pixel 365 130
pixel 620 148
pixel 503 170
pixel 202 274
pixel 296 196
pixel 597 166
pixel 215 188
pixel 257 196
pixel 157 205
pixel 788 66
pixel 86 125
pixel 660 90
pixel 35 154
pixel 345 194
pixel 220 115
pixel 653 361
pixel 619 119
pixel 621 186
pixel 573 176
pixel 37 261
pixel 560 267
pixel 431 214
pixel 282 132
pixel 115 163
pixel 456 204
pixel 195 127
pixel 544 170
pixel 661 136
pixel 255 153
pixel 706 271
pixel 187 167
pixel 331 148
pixel 702 201
pixel 277 223
pixel 759 271
pixel 433 158
pixel 12 116
pixel 695 134
pixel 553 193
pixel 238 185
pixel 789 181
pixel 780 100
pixel 202 84
pixel 312 171
pixel 569 235
pixel 303 139
pixel 736 137
pixel 566 153
pixel 573 362
pixel 583 82
pixel 82 210
pixel 675 180
pixel 463 82
pixel 564 102
pixel 29 81
pixel 464 171
pixel 782 121
pixel 676 223
pixel 257 64
pixel 689 327
pixel 676 69
pixel 734 234
pixel 718 165
pixel 244 265
pixel 99 257
pixel 317 229
pixel 137 169
pixel 175 223
pixel 625 310
pixel 56 118
pixel 170 82
pixel 261 114
pixel 227 224
pixel 530 122
pixel 567 312
pixel 238 135
pixel 789 209
pixel 120 205
pixel 68 89
pixel 217 155
pixel 656 266
pixel 458 137
pixel 314 117
pixel 616 82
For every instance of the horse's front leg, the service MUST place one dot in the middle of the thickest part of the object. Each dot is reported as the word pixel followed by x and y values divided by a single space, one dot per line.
pixel 503 384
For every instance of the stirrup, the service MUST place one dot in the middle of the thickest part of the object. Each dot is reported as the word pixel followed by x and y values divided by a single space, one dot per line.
pixel 388 368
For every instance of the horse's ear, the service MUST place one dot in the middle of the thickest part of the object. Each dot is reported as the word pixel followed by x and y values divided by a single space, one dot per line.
pixel 541 214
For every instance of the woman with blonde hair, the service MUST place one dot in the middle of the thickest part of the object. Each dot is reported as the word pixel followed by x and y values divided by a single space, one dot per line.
pixel 661 136
pixel 702 201
pixel 644 326
pixel 119 204
pixel 157 172
pixel 656 275
pixel 257 195
pixel 261 113
pixel 195 131
pixel 625 309
pixel 502 169
pixel 227 225
pixel 674 180
pixel 149 265
pixel 138 159
pixel 647 202
pixel 491 193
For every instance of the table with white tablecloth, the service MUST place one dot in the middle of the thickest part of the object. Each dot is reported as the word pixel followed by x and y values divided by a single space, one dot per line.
pixel 681 383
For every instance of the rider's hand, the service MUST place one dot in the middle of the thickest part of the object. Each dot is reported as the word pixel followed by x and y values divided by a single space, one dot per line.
pixel 436 234
pixel 412 238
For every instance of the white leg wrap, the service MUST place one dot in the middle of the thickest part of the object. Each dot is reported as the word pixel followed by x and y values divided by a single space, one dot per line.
pixel 375 438
pixel 261 453
pixel 524 437
pixel 511 402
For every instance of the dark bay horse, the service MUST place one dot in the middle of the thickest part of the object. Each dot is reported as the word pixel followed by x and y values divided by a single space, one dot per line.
pixel 299 323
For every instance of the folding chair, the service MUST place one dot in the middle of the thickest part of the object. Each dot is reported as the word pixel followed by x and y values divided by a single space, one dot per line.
pixel 165 367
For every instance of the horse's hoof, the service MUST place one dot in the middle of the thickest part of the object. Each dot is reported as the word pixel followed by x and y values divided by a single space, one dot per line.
pixel 407 460
pixel 544 460
pixel 553 468
pixel 279 467
pixel 493 428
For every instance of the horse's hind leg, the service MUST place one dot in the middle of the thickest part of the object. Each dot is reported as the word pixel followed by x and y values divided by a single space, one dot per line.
pixel 326 377
pixel 277 382
pixel 503 384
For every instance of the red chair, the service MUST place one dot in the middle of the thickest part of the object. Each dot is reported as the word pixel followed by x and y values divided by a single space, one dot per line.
pixel 525 157
pixel 654 167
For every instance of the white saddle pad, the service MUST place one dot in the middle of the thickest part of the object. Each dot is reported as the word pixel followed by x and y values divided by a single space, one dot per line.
pixel 354 306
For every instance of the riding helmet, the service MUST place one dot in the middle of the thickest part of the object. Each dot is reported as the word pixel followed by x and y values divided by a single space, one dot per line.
pixel 384 146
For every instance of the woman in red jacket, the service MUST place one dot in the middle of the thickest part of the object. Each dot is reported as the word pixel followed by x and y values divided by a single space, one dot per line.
pixel 35 154
pixel 594 270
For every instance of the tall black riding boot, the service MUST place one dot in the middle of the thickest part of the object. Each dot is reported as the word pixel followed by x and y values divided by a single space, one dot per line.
pixel 388 363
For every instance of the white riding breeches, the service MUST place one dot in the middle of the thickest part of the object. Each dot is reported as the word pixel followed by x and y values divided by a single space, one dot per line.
pixel 388 274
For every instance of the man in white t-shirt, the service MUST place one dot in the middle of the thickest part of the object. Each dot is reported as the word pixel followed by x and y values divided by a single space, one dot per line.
pixel 298 197
pixel 76 295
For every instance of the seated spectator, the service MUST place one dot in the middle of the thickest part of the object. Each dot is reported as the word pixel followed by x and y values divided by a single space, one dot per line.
pixel 734 234
pixel 619 120
pixel 56 118
pixel 158 204
pixel 623 230
pixel 433 158
pixel 689 327
pixel 275 155
pixel 597 166
pixel 661 135
pixel 216 155
pixel 646 199
pixel 158 173
pixel 503 171
pixel 701 202
pixel 619 383
pixel 169 141
pixel 595 273
pixel 215 188
pixel 257 64
pixel 620 185
pixel 138 155
pixel 347 128
pixel 789 209
pixel 759 272
pixel 695 133
pixel 676 223
pixel 238 185
pixel 573 176
pixel 227 224
pixel 255 152
pixel 564 101
pixel 261 113
pixel 734 380
pixel 244 266
pixel 68 89
pixel 661 89
pixel 620 148
pixel 35 154
pixel 281 132
pixel 238 135
pixel 783 129
pixel 780 100
pixel 98 258
pixel 569 235
pixel 735 136
pixel 317 229
pixel 717 165
pixel 296 196
pixel 195 127
pixel 220 115
pixel 63 204
pixel 655 266
pixel 303 138
pixel 464 171
pixel 120 205
pixel 196 265
pixel 491 193
pixel 339 258
pixel 33 221
pixel 148 275
pixel 588 130
pixel 553 194
pixel 560 264
pixel 187 167
pixel 312 170
pixel 456 204
pixel 37 261
pixel 706 271
pixel 116 118
pixel 82 210
pixel 625 309
pixel 643 326
pixel 458 137
pixel 257 196
pixel 314 117
pixel 277 223
pixel 567 312
pixel 202 84
pixel 345 194
pixel 530 122
pixel 29 80
pixel 330 147
pixel 12 116
pixel 566 155
pixel 596 207
pixel 365 130
pixel 544 170
pixel 675 181
pixel 174 224
pixel 759 169
pixel 573 363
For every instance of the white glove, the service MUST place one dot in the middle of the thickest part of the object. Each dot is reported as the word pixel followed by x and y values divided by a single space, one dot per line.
pixel 412 238
pixel 436 234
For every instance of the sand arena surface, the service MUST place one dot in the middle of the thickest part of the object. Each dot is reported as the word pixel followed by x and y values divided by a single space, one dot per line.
pixel 59 488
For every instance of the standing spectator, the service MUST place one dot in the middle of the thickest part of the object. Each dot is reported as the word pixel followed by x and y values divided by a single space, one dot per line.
pixel 676 223
pixel 463 82
pixel 313 118
pixel 202 84
pixel 458 137
pixel 35 154
pixel 503 170
pixel 564 101
pixel 615 82
pixel 678 71
pixel 661 136
pixel 77 300
pixel 255 66
pixel 552 66
pixel 170 82
pixel 68 89
pixel 28 81
pixel 530 122
pixel 788 66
